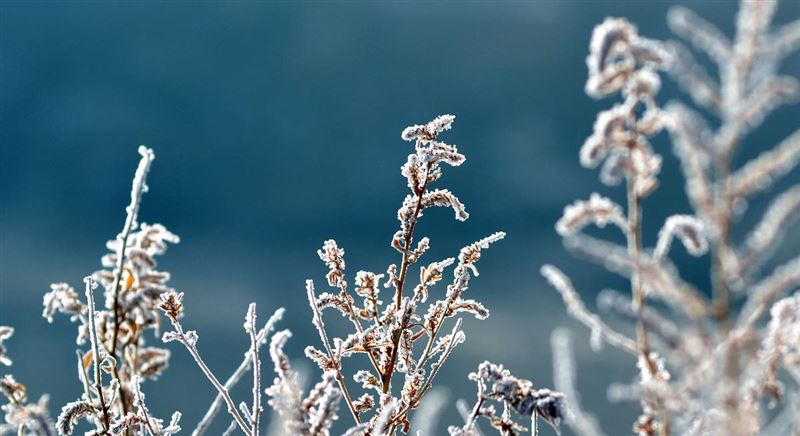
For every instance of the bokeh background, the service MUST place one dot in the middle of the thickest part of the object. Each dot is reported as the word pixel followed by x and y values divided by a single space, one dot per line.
pixel 276 125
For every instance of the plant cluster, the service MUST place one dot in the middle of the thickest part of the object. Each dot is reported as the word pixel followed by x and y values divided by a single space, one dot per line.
pixel 707 365
pixel 406 340
pixel 710 362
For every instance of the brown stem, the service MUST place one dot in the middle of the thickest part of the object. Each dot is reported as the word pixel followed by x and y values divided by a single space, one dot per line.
pixel 634 246
pixel 721 248
pixel 398 295
pixel 347 398
pixel 639 301
pixel 386 378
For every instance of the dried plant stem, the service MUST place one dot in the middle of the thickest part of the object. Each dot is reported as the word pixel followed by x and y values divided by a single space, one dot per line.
pixel 317 320
pixel 192 348
pixel 138 188
pixel 473 416
pixel 255 409
pixel 639 302
pixel 435 370
pixel 398 295
pixel 429 345
pixel 346 394
pixel 137 391
pixel 634 247
pixel 360 330
pixel 98 377
pixel 212 411
pixel 386 377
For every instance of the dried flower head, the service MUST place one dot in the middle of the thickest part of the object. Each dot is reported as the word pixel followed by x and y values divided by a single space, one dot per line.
pixel 428 132
pixel 333 256
pixel 172 305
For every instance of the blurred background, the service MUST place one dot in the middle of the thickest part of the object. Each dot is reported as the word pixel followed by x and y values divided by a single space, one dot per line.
pixel 276 125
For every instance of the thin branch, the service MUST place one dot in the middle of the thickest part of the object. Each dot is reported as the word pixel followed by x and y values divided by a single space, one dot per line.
pixel 320 325
pixel 216 405
pixel 191 346
pixel 98 377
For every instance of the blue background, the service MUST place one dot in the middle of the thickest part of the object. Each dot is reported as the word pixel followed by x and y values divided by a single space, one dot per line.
pixel 276 125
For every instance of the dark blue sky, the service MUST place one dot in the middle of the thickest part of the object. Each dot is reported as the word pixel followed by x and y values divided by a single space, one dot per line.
pixel 276 125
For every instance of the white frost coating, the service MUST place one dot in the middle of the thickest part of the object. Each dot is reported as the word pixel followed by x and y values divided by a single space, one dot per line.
pixel 445 198
pixel 578 310
pixel 611 37
pixel 471 253
pixel 693 78
pixel 598 210
pixel 62 298
pixel 608 133
pixel 758 174
pixel 702 34
pixel 5 333
pixel 317 317
pixel 689 230
pixel 780 215
pixel 643 83
pixel 428 132
pixel 285 391
pixel 139 186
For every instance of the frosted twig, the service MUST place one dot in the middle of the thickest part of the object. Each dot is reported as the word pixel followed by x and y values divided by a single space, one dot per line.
pixel 98 378
pixel 138 188
pixel 245 366
pixel 250 328
pixel 780 215
pixel 172 306
pixel 760 173
pixel 690 231
pixel 137 392
pixel 693 78
pixel 767 290
pixel 609 300
pixel 564 381
pixel 578 310
pixel 702 34
pixel 320 325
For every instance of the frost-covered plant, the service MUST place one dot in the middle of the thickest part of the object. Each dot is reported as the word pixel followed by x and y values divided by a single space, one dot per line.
pixel 116 334
pixel 21 416
pixel 497 384
pixel 708 366
pixel 388 333
pixel 117 359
